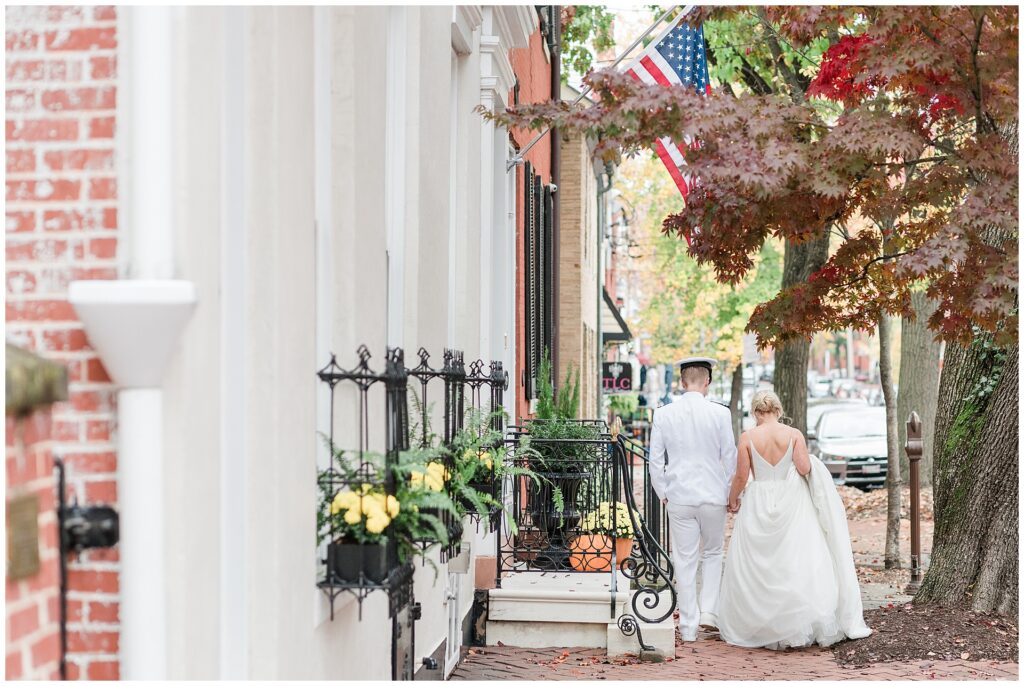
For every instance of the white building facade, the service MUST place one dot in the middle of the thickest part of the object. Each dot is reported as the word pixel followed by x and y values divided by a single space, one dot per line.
pixel 328 184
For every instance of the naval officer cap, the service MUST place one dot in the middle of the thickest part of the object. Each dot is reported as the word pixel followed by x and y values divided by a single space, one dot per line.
pixel 705 362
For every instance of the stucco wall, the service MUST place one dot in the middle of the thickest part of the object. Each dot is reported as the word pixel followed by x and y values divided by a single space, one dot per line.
pixel 293 223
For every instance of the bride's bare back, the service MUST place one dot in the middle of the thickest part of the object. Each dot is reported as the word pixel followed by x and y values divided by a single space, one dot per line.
pixel 771 439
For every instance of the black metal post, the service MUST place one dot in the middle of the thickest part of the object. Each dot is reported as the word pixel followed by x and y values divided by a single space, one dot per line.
pixel 62 551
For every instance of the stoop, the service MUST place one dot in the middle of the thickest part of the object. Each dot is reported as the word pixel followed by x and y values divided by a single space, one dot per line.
pixel 568 610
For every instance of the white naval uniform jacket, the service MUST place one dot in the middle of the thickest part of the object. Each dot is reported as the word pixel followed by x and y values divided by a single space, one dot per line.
pixel 694 436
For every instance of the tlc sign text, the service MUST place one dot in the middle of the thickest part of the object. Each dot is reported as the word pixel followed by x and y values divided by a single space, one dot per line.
pixel 617 377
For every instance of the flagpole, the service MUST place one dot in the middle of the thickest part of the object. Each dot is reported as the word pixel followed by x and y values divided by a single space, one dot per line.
pixel 518 158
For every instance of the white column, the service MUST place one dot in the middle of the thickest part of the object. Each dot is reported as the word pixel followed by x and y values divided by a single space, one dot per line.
pixel 140 444
pixel 395 171
pixel 151 222
pixel 143 584
pixel 234 627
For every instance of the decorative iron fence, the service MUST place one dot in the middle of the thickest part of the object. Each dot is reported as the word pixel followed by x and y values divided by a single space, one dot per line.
pixel 357 468
pixel 369 433
pixel 586 509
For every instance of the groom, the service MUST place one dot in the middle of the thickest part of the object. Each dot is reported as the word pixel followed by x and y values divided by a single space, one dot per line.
pixel 693 459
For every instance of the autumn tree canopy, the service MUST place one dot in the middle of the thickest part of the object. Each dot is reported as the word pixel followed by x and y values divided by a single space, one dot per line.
pixel 915 174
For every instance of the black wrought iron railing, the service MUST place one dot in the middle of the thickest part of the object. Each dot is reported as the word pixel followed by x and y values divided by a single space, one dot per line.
pixel 586 506
pixel 650 566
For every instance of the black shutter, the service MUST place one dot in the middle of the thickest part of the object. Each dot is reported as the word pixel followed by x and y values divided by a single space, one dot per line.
pixel 549 272
pixel 540 312
pixel 539 249
pixel 530 249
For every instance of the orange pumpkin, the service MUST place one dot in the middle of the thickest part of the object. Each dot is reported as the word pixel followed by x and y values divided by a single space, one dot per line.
pixel 593 552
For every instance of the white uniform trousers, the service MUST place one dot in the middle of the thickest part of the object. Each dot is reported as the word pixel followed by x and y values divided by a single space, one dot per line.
pixel 697 531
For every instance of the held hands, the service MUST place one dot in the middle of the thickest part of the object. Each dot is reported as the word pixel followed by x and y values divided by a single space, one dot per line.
pixel 733 506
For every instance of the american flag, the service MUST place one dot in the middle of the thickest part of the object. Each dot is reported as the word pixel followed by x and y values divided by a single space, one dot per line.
pixel 675 57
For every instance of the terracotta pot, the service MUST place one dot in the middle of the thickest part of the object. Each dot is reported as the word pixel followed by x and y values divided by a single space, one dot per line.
pixel 593 552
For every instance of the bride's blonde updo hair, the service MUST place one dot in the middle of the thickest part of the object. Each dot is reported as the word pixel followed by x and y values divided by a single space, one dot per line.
pixel 765 403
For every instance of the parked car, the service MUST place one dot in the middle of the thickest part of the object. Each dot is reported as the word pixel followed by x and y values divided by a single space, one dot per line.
pixel 851 443
pixel 820 387
pixel 844 388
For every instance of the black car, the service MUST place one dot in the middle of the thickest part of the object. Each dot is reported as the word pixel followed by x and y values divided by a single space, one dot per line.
pixel 851 443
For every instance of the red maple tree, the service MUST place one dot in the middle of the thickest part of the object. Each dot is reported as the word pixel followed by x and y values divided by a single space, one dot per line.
pixel 916 176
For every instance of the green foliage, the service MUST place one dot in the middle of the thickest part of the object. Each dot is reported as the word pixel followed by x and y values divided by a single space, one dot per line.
pixel 568 402
pixel 354 507
pixel 586 29
pixel 545 389
pixel 420 431
pixel 970 420
pixel 685 310
pixel 994 359
pixel 624 404
pixel 563 403
pixel 916 174
pixel 479 461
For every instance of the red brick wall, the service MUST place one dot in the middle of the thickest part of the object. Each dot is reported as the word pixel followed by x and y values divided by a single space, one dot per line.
pixel 33 613
pixel 533 69
pixel 62 225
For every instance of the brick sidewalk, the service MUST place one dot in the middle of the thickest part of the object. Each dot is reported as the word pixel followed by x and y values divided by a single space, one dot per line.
pixel 709 659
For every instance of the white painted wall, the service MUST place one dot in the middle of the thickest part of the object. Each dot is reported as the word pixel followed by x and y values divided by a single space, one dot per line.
pixel 311 178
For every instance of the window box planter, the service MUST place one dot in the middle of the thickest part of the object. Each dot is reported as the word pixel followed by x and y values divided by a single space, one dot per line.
pixel 355 563
pixel 454 527
pixel 487 487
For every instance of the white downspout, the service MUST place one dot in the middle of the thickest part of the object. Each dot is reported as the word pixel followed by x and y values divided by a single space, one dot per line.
pixel 134 325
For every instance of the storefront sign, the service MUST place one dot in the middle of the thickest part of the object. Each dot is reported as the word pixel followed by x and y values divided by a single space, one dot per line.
pixel 617 377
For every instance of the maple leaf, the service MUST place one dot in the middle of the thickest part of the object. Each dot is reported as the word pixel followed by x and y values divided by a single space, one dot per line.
pixel 918 161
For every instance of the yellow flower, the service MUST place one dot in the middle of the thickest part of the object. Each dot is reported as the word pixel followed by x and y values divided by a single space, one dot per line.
pixel 439 469
pixel 393 506
pixel 344 500
pixel 374 506
pixel 485 459
pixel 353 516
pixel 435 476
pixel 376 524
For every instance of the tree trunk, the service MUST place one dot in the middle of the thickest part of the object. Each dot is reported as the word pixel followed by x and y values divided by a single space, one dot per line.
pixel 734 401
pixel 974 472
pixel 790 380
pixel 893 482
pixel 919 382
pixel 974 551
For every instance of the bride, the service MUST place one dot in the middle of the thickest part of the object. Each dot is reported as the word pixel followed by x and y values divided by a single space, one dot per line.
pixel 789 575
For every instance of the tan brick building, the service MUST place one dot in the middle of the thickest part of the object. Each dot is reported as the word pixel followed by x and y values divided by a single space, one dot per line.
pixel 579 282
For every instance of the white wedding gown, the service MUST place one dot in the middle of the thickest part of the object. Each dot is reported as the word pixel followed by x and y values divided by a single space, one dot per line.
pixel 789 577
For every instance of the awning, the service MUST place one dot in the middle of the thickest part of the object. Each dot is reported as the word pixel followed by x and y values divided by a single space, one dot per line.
pixel 613 326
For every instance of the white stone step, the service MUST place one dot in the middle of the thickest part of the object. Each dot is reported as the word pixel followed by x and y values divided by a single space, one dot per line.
pixel 569 609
